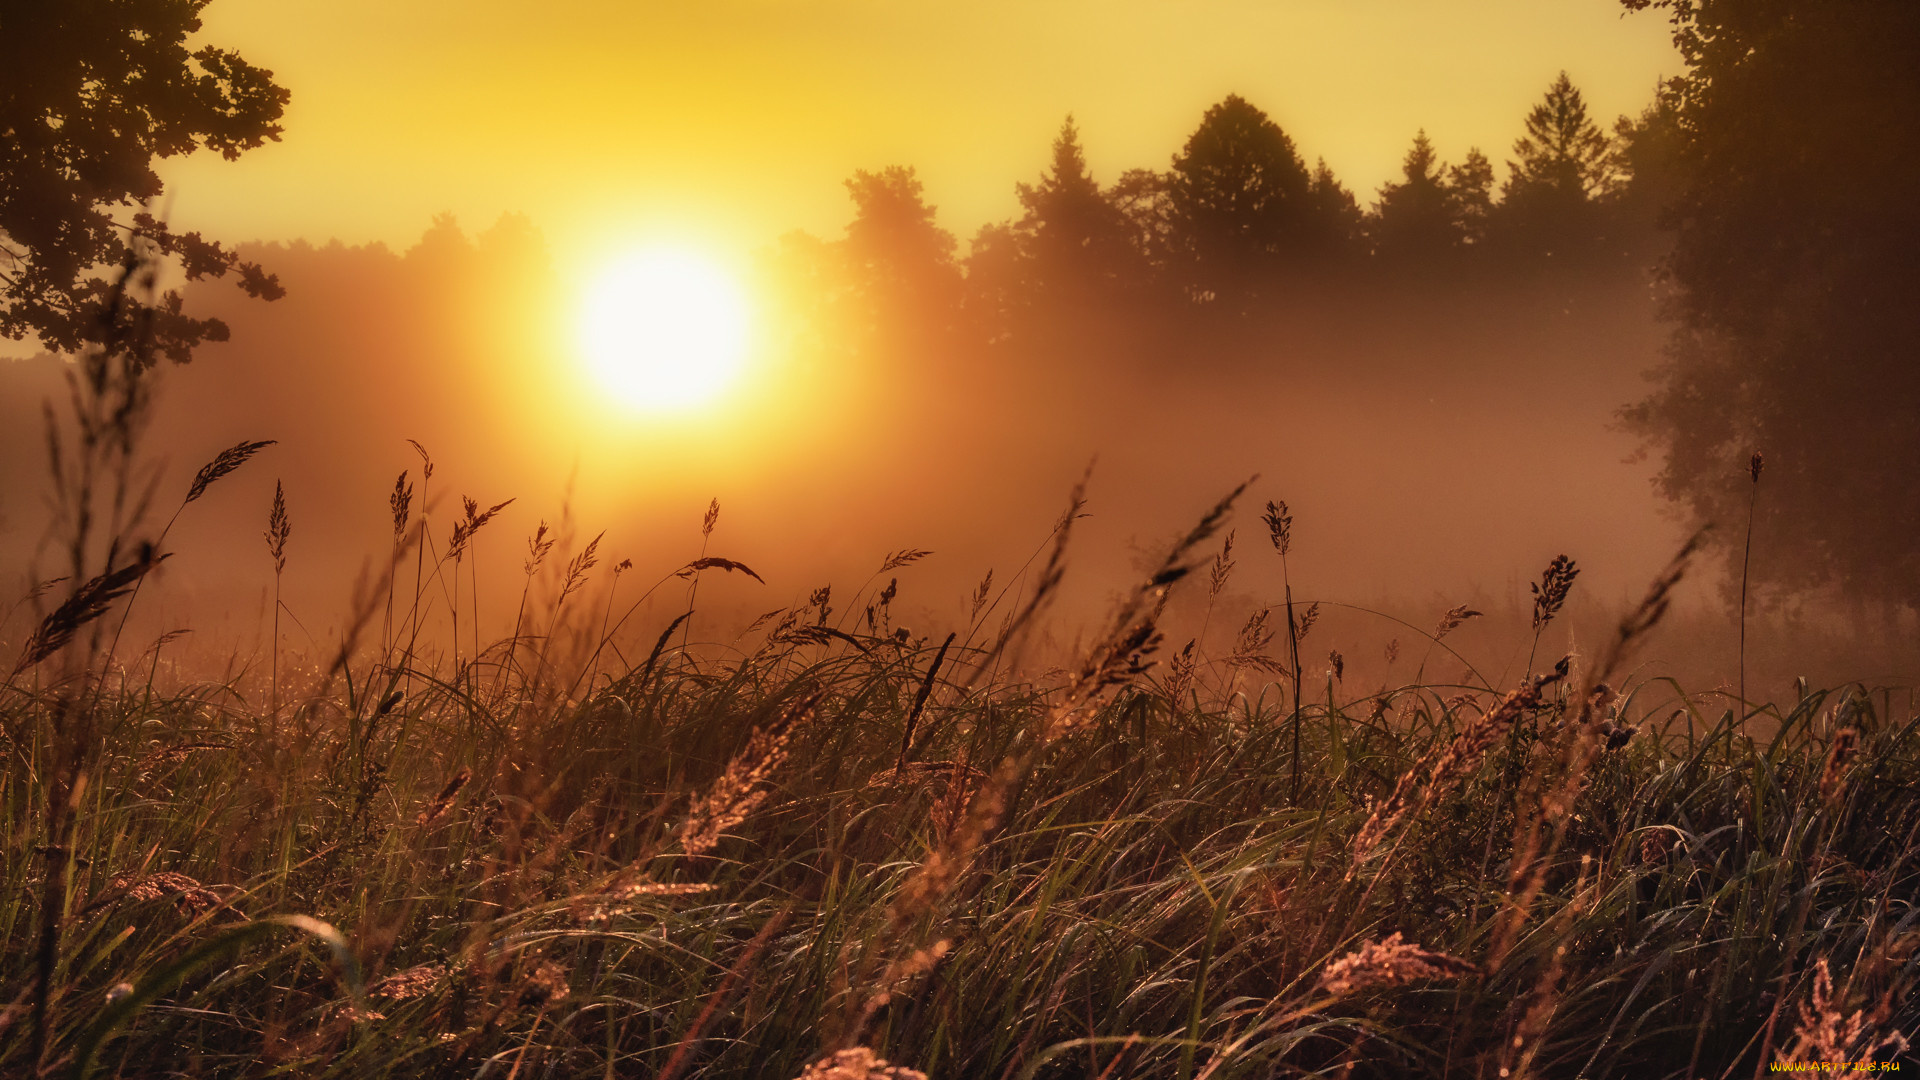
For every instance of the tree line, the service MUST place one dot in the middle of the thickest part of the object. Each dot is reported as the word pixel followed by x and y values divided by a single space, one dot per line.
pixel 1772 184
pixel 1240 219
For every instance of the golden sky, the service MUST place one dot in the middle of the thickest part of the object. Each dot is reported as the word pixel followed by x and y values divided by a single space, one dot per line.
pixel 731 121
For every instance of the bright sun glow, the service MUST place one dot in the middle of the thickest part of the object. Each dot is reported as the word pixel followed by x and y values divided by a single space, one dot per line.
pixel 664 329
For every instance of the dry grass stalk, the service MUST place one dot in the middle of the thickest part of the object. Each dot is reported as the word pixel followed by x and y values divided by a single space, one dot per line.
pixel 1222 570
pixel 1434 774
pixel 920 699
pixel 1115 659
pixel 857 1063
pixel 189 894
pixel 897 559
pixel 474 520
pixel 1180 671
pixel 617 897
pixel 1826 1033
pixel 919 772
pixel 1550 593
pixel 409 984
pixel 226 461
pixel 538 546
pixel 88 602
pixel 1279 527
pixel 1250 645
pixel 400 505
pixel 714 562
pixel 1391 962
pixel 544 984
pixel 279 528
pixel 737 791
pixel 577 567
pixel 438 805
pixel 901 973
pixel 1452 619
pixel 1657 844
pixel 1540 835
pixel 426 461
pixel 1833 775
pixel 735 794
pixel 1307 619
pixel 980 597
pixel 1014 627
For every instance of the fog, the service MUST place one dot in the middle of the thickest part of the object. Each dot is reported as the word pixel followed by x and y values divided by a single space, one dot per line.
pixel 1433 385
pixel 1433 453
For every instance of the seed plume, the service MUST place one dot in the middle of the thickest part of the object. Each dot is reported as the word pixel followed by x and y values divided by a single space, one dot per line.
pixel 223 463
pixel 278 529
pixel 1452 619
pixel 1391 962
pixel 1550 593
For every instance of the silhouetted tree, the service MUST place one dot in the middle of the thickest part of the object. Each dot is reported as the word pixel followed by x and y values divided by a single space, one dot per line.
pixel 1146 210
pixel 1794 279
pixel 1418 218
pixel 1471 185
pixel 898 258
pixel 1649 152
pixel 1335 222
pixel 1239 197
pixel 1075 237
pixel 1564 165
pixel 94 91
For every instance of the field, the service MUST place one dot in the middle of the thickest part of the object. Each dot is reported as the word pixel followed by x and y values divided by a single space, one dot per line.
pixel 827 849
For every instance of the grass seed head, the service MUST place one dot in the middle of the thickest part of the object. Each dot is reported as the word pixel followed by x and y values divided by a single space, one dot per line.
pixel 432 811
pixel 1452 619
pixel 1826 1033
pixel 409 984
pixel 1222 569
pixel 1833 775
pixel 1550 593
pixel 1279 527
pixel 1392 962
pixel 538 545
pixel 897 559
pixel 858 1063
pixel 278 528
pixel 980 596
pixel 189 894
pixel 1307 619
pixel 223 463
pixel 401 504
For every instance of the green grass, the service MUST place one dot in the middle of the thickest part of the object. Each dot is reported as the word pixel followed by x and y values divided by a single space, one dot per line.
pixel 1150 899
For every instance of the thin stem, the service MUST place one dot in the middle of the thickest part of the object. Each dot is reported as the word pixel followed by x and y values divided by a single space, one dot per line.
pixel 1746 561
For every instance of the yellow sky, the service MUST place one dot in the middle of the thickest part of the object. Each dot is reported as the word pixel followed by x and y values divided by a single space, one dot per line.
pixel 731 121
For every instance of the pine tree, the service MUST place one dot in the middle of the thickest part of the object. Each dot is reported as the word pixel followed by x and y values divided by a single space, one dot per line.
pixel 1074 236
pixel 1418 218
pixel 1564 166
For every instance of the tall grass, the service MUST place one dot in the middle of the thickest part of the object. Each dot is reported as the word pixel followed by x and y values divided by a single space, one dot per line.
pixel 730 868
pixel 831 849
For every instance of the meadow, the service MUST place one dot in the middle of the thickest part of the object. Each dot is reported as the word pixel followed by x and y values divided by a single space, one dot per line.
pixel 828 847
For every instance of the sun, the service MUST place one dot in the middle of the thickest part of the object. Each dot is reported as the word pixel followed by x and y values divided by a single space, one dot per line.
pixel 664 329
